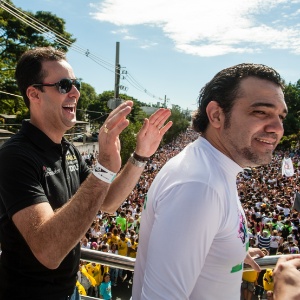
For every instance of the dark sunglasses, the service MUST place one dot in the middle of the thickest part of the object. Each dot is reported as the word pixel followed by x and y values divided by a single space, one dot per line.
pixel 64 86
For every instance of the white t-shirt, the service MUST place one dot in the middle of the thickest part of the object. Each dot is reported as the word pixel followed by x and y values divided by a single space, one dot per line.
pixel 275 239
pixel 193 234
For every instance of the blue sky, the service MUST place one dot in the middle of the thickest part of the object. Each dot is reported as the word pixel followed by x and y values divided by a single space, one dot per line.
pixel 172 48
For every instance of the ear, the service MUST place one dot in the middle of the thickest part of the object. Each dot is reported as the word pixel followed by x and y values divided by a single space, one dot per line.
pixel 33 94
pixel 215 114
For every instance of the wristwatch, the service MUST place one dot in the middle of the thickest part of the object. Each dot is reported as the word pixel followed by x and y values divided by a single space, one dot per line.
pixel 136 162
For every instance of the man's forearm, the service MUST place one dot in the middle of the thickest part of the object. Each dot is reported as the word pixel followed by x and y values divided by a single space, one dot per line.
pixel 52 235
pixel 121 187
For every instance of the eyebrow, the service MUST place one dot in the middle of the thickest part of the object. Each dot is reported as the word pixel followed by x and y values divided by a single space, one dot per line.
pixel 266 104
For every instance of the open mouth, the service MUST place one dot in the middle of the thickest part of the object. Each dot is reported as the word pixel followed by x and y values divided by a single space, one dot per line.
pixel 69 108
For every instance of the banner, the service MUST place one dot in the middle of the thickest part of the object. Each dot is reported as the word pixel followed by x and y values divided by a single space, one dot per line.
pixel 287 167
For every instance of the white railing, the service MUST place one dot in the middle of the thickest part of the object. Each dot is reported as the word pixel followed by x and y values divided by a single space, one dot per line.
pixel 127 263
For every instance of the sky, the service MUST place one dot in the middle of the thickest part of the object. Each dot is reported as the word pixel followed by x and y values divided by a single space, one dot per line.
pixel 169 49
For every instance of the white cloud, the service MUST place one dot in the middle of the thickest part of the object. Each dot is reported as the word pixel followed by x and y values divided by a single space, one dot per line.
pixel 148 44
pixel 213 27
pixel 125 33
pixel 129 37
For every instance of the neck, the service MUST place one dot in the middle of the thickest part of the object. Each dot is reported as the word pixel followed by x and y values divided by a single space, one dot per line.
pixel 53 135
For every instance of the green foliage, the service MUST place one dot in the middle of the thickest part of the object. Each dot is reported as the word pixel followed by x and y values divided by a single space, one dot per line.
pixel 98 109
pixel 180 124
pixel 128 140
pixel 88 96
pixel 289 142
pixel 292 98
pixel 15 38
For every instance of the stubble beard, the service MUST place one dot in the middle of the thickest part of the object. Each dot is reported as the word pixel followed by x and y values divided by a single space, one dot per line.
pixel 245 157
pixel 254 160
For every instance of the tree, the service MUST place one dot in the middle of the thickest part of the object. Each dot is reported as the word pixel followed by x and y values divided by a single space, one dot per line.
pixel 128 140
pixel 16 37
pixel 88 96
pixel 98 110
pixel 292 98
pixel 180 124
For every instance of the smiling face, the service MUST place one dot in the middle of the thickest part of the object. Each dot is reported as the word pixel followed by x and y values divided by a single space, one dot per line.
pixel 51 111
pixel 252 130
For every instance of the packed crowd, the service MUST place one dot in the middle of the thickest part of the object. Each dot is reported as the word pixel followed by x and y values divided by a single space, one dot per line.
pixel 118 233
pixel 267 197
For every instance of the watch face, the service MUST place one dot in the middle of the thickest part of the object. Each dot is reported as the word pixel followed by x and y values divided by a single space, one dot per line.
pixel 136 162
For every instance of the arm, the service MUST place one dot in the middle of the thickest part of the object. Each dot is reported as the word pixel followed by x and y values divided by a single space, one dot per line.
pixel 51 235
pixel 261 227
pixel 286 278
pixel 148 140
pixel 255 228
pixel 251 255
pixel 128 248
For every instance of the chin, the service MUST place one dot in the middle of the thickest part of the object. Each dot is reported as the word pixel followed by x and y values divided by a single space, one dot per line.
pixel 70 123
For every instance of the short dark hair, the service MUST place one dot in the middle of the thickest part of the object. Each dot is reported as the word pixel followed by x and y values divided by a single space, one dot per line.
pixel 104 246
pixel 29 67
pixel 224 88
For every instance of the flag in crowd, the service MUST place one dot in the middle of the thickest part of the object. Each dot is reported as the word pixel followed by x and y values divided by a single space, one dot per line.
pixel 287 167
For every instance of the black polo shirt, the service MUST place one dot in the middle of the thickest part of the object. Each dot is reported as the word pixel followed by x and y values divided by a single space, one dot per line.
pixel 33 169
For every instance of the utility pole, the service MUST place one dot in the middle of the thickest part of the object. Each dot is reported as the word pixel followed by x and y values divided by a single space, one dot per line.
pixel 165 102
pixel 117 71
pixel 116 101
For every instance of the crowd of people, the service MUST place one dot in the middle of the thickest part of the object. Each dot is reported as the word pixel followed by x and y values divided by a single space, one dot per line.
pixel 51 214
pixel 118 233
pixel 267 197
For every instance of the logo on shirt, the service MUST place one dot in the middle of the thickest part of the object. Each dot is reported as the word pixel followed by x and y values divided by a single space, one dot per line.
pixel 49 172
pixel 242 234
pixel 72 162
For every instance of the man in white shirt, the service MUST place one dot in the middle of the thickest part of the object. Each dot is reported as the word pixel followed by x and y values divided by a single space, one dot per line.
pixel 193 200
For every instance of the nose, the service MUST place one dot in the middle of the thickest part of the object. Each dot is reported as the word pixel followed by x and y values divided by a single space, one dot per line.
pixel 74 92
pixel 275 126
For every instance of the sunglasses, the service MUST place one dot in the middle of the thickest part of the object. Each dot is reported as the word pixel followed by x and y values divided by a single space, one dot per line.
pixel 64 86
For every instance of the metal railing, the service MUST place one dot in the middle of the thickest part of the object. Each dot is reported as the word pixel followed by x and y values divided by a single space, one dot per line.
pixel 127 263
pixel 267 262
pixel 108 259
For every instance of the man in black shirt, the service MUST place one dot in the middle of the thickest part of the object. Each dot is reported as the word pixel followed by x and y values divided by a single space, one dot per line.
pixel 48 196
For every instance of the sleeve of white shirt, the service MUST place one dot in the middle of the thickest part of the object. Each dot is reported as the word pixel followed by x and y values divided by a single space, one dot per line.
pixel 187 218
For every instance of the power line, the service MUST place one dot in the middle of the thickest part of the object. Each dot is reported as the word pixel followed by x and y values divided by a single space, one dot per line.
pixel 48 33
pixel 2 92
pixel 53 35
